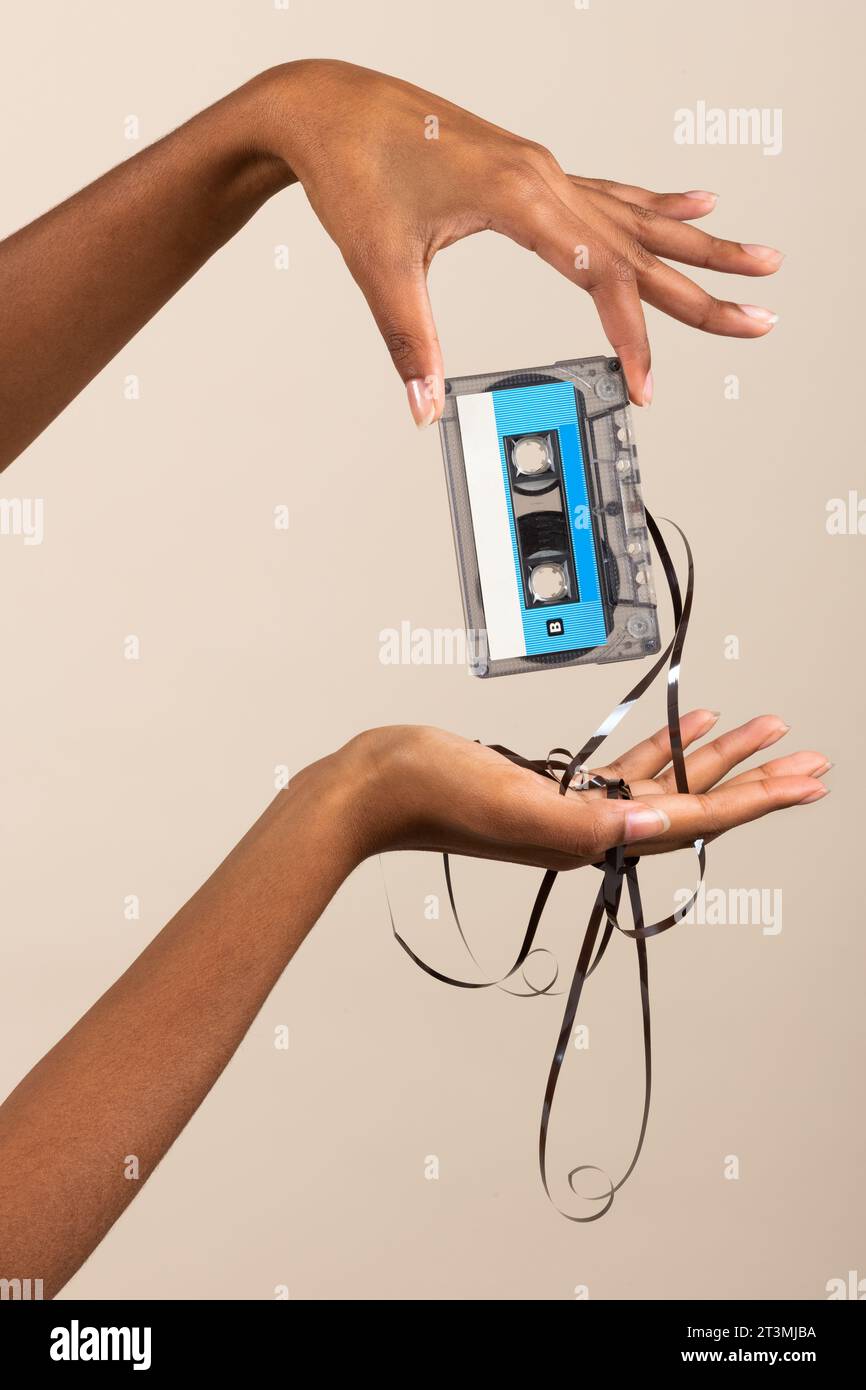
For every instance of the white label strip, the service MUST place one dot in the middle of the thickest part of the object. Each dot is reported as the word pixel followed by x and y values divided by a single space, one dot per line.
pixel 490 523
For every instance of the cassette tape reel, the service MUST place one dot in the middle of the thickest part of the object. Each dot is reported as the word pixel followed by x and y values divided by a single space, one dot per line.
pixel 549 526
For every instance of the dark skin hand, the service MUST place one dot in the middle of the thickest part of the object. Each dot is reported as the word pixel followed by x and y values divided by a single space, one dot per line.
pixel 130 1074
pixel 80 281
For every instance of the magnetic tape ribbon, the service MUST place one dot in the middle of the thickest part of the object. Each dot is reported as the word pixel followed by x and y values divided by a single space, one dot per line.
pixel 619 871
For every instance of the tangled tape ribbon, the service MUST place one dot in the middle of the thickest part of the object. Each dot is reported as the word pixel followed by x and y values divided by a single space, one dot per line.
pixel 619 870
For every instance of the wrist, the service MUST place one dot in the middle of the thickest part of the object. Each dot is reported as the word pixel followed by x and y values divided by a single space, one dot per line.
pixel 232 148
pixel 292 104
pixel 363 793
pixel 334 804
pixel 381 775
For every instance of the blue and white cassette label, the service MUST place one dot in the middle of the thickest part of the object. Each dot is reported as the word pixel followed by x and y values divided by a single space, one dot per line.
pixel 518 623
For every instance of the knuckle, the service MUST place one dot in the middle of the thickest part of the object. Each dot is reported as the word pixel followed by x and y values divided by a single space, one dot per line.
pixel 642 214
pixel 716 250
pixel 642 259
pixel 709 814
pixel 539 157
pixel 769 791
pixel 614 771
pixel 402 344
pixel 722 751
pixel 709 311
pixel 660 741
pixel 520 178
pixel 530 213
pixel 612 264
pixel 622 269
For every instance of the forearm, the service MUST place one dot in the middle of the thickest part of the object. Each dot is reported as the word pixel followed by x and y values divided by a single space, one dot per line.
pixel 80 281
pixel 124 1081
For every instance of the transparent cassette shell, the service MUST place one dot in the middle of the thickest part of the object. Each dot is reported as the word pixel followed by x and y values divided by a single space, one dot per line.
pixel 617 514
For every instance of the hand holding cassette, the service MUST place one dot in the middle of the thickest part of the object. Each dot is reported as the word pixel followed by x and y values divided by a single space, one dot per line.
pixel 395 174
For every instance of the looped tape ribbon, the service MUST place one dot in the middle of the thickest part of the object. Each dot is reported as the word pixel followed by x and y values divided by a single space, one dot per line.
pixel 619 871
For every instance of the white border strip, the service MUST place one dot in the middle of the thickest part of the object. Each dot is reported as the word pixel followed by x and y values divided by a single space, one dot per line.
pixel 491 525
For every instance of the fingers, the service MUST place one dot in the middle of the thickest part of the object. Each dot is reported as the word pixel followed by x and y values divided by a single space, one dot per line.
pixel 555 833
pixel 806 762
pixel 536 215
pixel 675 294
pixel 617 299
pixel 710 764
pixel 637 234
pixel 587 827
pixel 664 234
pixel 398 298
pixel 666 237
pixel 706 815
pixel 682 206
pixel 607 239
pixel 647 759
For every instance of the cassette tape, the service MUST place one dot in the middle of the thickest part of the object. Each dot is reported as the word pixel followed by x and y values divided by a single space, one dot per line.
pixel 549 526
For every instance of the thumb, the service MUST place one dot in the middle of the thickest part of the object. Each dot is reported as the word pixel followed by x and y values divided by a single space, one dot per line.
pixel 586 825
pixel 400 305
pixel 600 824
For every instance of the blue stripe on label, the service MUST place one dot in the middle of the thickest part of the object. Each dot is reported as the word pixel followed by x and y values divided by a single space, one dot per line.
pixel 530 410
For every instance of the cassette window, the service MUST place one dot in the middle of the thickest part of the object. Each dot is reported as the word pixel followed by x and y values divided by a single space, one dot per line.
pixel 540 517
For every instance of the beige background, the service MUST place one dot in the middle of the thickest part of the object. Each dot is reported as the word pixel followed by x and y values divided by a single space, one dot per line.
pixel 306 1167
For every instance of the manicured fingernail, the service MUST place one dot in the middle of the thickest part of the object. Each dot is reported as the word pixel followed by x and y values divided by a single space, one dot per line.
pixel 423 393
pixel 763 253
pixel 775 736
pixel 641 823
pixel 703 195
pixel 754 311
pixel 822 771
pixel 814 796
pixel 648 389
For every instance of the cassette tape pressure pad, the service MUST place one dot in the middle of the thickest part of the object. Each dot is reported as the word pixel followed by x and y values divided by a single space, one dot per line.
pixel 549 526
